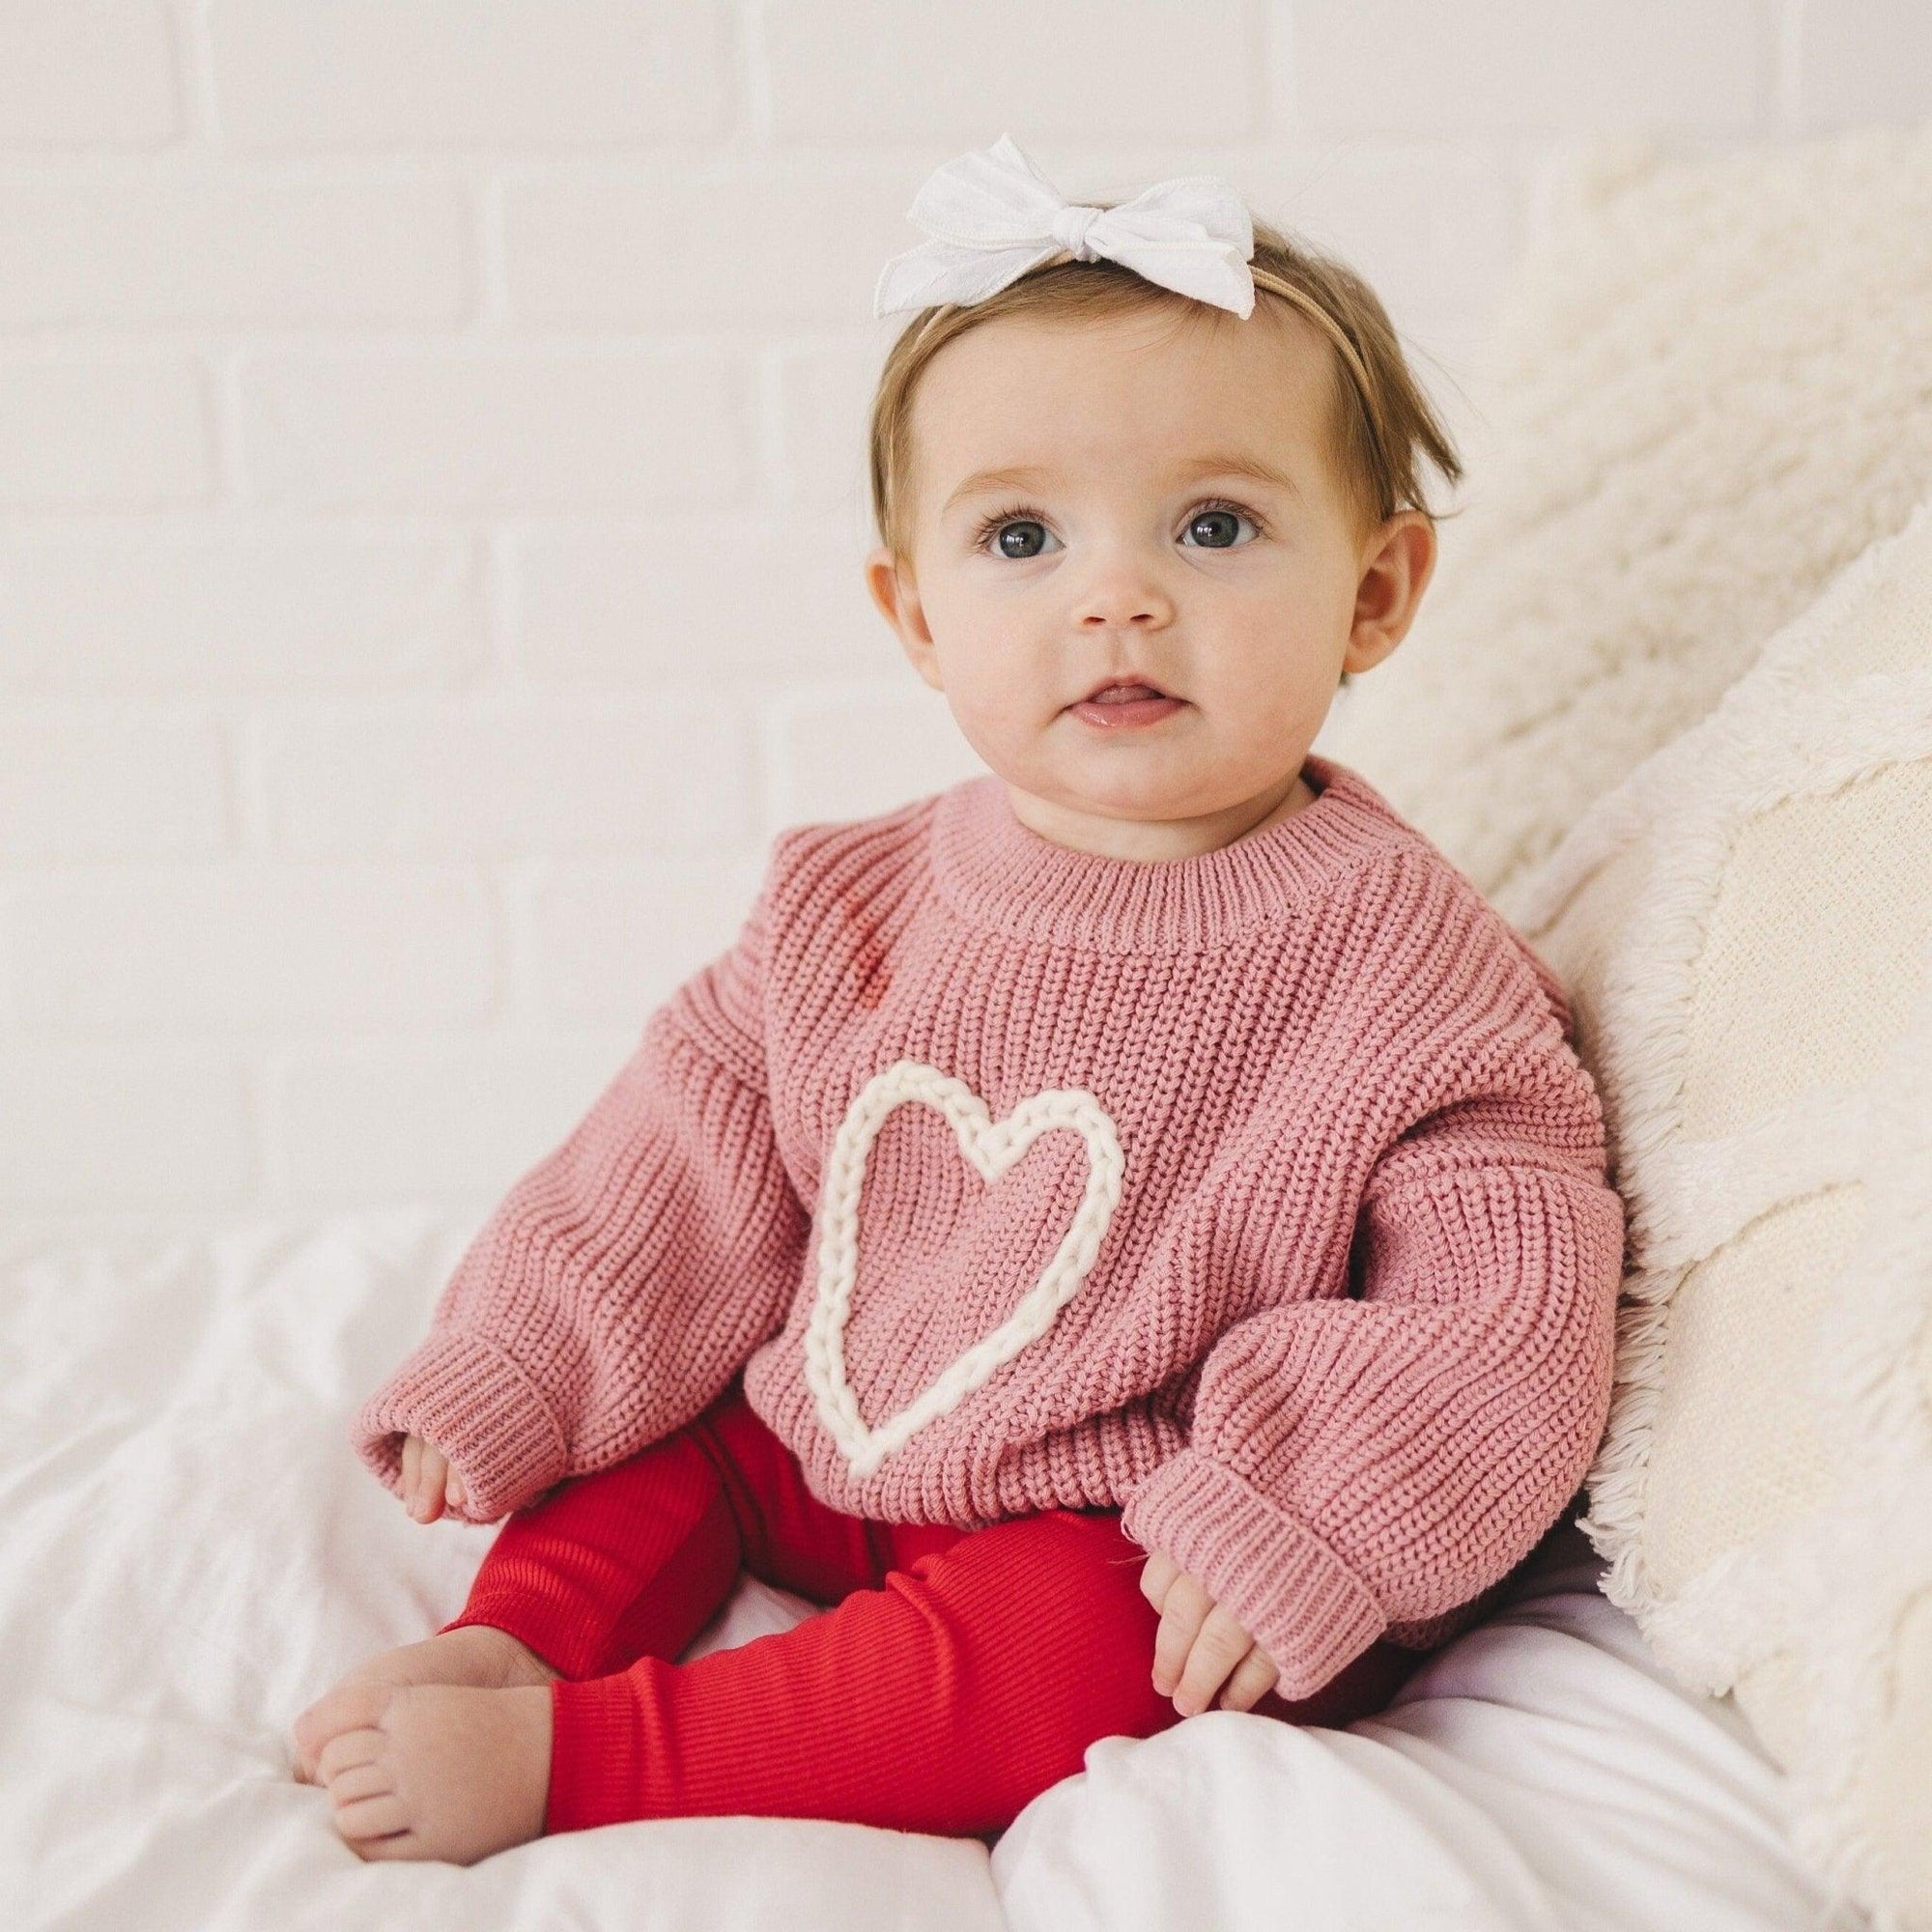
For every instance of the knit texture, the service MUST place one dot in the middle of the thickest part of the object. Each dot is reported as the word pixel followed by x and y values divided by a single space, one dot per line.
pixel 1259 1195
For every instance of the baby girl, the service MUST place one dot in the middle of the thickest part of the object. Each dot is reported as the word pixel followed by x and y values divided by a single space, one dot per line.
pixel 1125 1233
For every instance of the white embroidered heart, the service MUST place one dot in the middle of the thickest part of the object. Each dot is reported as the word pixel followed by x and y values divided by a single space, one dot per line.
pixel 992 1148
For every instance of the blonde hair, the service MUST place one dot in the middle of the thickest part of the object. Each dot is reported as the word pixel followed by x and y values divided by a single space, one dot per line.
pixel 1380 421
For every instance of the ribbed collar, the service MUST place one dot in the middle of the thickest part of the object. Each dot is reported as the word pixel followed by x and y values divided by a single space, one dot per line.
pixel 997 873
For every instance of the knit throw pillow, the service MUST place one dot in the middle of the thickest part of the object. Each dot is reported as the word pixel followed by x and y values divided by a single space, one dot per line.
pixel 1707 391
pixel 1744 927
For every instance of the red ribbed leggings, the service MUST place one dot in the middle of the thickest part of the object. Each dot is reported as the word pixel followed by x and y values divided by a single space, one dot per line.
pixel 961 1674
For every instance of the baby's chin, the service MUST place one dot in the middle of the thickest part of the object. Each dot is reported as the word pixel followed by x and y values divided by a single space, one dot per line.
pixel 1158 790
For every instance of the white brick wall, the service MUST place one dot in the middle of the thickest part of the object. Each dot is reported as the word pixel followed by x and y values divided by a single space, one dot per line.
pixel 432 490
pixel 1528 67
pixel 104 429
pixel 149 242
pixel 469 426
pixel 88 73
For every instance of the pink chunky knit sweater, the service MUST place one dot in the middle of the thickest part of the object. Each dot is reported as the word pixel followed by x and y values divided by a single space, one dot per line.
pixel 1258 1194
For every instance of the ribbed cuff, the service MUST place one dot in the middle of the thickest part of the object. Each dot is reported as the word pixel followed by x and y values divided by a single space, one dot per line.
pixel 1272 1574
pixel 597 1758
pixel 480 1410
pixel 519 1618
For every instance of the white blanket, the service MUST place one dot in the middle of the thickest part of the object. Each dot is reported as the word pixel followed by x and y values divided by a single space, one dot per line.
pixel 190 1555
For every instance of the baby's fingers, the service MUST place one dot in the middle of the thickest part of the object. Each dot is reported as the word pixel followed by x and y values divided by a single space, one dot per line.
pixel 425 1472
pixel 1220 1644
pixel 454 1494
pixel 1182 1617
pixel 1156 1573
pixel 1254 1677
pixel 431 1482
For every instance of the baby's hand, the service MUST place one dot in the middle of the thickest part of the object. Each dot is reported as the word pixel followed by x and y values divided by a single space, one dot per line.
pixel 428 1481
pixel 1199 1643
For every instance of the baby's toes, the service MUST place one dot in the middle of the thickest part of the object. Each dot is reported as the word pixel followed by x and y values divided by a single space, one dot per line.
pixel 348 1708
pixel 372 1779
pixel 348 1752
pixel 366 1819
pixel 365 1801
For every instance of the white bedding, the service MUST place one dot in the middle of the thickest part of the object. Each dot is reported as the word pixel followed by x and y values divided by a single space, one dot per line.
pixel 190 1555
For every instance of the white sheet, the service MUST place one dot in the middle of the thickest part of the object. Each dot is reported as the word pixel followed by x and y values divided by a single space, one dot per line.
pixel 190 1555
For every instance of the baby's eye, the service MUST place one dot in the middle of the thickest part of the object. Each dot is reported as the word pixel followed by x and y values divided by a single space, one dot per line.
pixel 1022 536
pixel 1019 537
pixel 1217 519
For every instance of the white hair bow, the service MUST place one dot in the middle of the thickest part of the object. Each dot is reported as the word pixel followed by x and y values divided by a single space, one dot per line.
pixel 993 215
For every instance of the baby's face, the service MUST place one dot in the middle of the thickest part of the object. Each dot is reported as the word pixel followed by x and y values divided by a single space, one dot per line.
pixel 1128 537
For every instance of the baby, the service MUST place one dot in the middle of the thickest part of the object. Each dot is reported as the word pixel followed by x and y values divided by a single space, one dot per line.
pixel 1126 1234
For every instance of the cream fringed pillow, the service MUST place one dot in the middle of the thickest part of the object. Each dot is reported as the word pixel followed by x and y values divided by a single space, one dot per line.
pixel 1710 389
pixel 1744 927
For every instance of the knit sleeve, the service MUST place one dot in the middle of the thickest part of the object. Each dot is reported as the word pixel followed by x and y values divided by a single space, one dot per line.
pixel 625 1278
pixel 1368 1461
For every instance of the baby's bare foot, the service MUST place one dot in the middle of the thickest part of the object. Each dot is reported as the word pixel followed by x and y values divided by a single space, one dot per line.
pixel 479 1655
pixel 434 1770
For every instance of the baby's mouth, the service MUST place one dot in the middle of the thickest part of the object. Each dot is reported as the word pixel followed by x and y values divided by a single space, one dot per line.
pixel 1120 706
